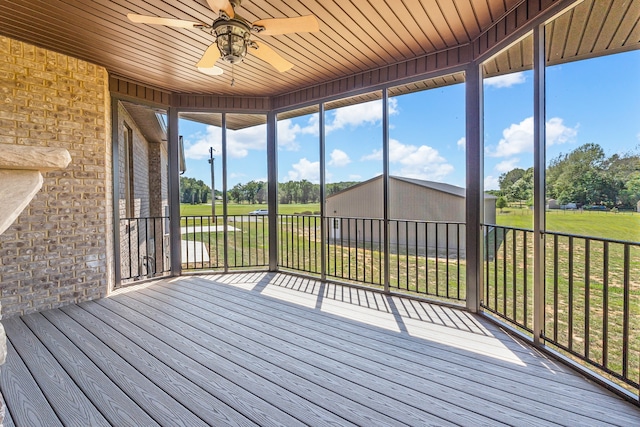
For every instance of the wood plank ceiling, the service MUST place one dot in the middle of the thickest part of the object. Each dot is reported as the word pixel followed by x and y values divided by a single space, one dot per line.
pixel 355 36
pixel 592 28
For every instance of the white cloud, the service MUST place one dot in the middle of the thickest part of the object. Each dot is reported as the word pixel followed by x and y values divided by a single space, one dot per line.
pixel 558 133
pixel 462 143
pixel 287 132
pixel 197 146
pixel 355 177
pixel 507 165
pixel 421 162
pixel 518 138
pixel 359 114
pixel 313 124
pixel 239 142
pixel 491 183
pixel 339 158
pixel 505 80
pixel 305 169
pixel 425 163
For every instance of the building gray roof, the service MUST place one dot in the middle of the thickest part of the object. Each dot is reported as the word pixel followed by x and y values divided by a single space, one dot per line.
pixel 438 186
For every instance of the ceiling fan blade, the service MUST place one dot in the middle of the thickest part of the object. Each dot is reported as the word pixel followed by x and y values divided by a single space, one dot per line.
pixel 301 24
pixel 209 57
pixel 222 5
pixel 154 20
pixel 213 71
pixel 269 55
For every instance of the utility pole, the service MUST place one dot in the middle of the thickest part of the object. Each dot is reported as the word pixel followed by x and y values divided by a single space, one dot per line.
pixel 213 185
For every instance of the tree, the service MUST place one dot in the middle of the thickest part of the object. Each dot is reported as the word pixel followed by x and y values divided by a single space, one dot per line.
pixel 507 179
pixel 237 193
pixel 193 191
pixel 581 177
pixel 306 190
pixel 251 190
pixel 501 203
pixel 521 189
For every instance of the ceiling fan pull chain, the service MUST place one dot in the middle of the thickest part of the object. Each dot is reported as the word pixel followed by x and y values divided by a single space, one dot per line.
pixel 233 80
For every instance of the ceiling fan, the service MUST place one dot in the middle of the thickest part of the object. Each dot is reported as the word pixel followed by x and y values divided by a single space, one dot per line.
pixel 233 35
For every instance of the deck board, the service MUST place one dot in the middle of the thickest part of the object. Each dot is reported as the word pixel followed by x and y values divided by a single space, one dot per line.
pixel 143 391
pixel 7 421
pixel 454 382
pixel 325 389
pixel 69 402
pixel 275 349
pixel 204 406
pixel 114 404
pixel 23 397
pixel 203 374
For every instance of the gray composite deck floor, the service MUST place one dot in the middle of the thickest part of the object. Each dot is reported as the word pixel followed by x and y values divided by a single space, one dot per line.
pixel 277 349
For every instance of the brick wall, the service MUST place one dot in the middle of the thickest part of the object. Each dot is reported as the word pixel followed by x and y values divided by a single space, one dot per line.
pixel 58 251
pixel 139 168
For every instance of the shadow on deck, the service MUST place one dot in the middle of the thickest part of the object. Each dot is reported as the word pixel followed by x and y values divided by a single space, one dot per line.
pixel 277 349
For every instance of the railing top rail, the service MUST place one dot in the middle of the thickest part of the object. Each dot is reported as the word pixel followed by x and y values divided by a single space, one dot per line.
pixel 143 217
pixel 396 219
pixel 575 236
pixel 600 239
pixel 509 227
pixel 427 222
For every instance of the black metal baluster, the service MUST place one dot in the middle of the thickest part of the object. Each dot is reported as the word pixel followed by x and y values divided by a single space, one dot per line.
pixel 570 326
pixel 504 271
pixel 524 284
pixel 446 248
pixel 555 288
pixel 625 313
pixel 587 295
pixel 605 305
pixel 514 267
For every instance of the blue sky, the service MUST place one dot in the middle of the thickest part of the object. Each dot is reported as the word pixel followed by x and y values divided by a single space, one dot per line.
pixel 596 100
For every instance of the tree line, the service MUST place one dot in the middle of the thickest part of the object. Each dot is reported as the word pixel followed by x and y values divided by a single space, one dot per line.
pixel 193 191
pixel 585 176
pixel 298 192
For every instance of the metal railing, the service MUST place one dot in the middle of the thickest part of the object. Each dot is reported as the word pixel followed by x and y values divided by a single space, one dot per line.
pixel 428 257
pixel 425 257
pixel 592 285
pixel 592 296
pixel 508 270
pixel 144 248
pixel 203 242
pixel 299 242
pixel 592 308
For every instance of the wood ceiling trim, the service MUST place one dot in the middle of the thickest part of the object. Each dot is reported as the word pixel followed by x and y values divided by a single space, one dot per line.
pixel 515 24
pixel 438 61
pixel 226 103
pixel 126 89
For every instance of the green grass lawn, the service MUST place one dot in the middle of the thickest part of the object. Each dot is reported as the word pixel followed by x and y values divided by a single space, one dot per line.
pixel 617 226
pixel 244 209
pixel 573 303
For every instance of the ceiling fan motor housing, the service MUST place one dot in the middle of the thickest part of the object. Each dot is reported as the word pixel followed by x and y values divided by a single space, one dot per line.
pixel 232 38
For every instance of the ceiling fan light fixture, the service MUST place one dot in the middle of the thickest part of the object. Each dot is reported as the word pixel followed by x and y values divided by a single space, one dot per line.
pixel 232 38
pixel 213 71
